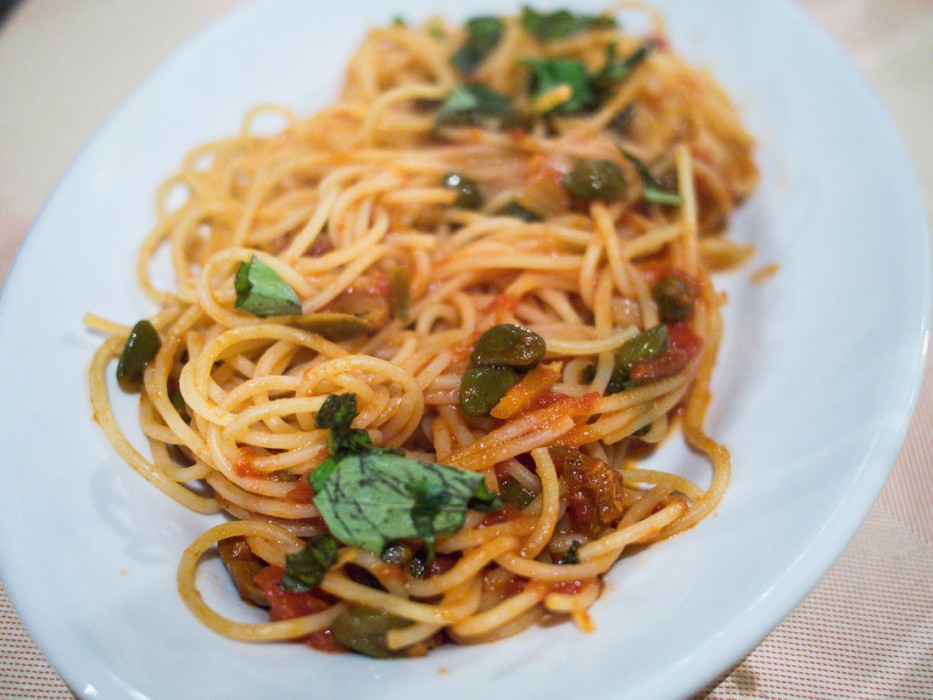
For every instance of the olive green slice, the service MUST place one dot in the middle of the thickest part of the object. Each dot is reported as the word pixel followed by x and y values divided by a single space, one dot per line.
pixel 364 630
pixel 509 345
pixel 141 347
pixel 483 387
pixel 333 325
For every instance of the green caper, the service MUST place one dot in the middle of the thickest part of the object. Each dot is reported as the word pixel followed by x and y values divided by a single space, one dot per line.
pixel 509 345
pixel 595 179
pixel 364 630
pixel 483 387
pixel 674 298
pixel 141 347
pixel 643 347
pixel 468 194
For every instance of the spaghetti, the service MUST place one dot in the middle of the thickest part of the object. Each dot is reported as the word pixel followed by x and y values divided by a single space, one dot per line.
pixel 421 340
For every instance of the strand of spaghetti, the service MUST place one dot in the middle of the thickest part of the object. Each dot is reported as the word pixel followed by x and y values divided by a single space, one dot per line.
pixel 479 450
pixel 550 504
pixel 468 566
pixel 574 602
pixel 575 348
pixel 506 611
pixel 542 571
pixel 468 538
pixel 467 597
pixel 265 631
pixel 339 584
pixel 615 542
pixel 103 415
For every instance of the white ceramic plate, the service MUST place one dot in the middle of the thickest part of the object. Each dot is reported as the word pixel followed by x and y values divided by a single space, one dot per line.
pixel 813 392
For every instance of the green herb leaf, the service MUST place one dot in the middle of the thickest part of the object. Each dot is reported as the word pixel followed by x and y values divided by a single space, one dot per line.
pixel 652 191
pixel 471 102
pixel 305 569
pixel 561 24
pixel 372 498
pixel 262 292
pixel 141 347
pixel 483 35
pixel 548 75
pixel 617 70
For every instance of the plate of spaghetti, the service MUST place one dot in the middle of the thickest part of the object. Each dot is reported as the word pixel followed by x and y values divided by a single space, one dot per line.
pixel 457 351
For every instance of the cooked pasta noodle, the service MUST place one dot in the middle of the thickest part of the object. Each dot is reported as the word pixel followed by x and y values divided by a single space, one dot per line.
pixel 516 179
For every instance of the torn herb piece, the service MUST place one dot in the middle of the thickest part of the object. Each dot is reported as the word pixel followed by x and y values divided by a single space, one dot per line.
pixel 260 291
pixel 483 35
pixel 561 24
pixel 615 71
pixel 652 191
pixel 570 556
pixel 471 102
pixel 565 77
pixel 141 347
pixel 372 498
pixel 305 569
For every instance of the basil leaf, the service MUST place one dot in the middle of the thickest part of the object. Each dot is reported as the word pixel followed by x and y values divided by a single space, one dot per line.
pixel 653 192
pixel 305 569
pixel 483 35
pixel 372 498
pixel 561 24
pixel 471 102
pixel 262 292
pixel 548 75
pixel 616 71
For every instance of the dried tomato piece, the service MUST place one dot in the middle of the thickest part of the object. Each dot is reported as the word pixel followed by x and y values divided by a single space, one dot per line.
pixel 284 605
pixel 594 490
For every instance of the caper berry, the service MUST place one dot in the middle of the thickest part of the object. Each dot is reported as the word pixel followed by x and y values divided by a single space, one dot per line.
pixel 481 388
pixel 595 179
pixel 508 345
pixel 674 298
pixel 468 194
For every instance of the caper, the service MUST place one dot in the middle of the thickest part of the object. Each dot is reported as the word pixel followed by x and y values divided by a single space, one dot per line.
pixel 643 347
pixel 595 179
pixel 508 345
pixel 483 387
pixel 674 298
pixel 468 195
pixel 141 347
pixel 364 630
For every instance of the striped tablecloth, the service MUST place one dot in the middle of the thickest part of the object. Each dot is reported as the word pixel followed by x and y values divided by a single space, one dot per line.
pixel 866 631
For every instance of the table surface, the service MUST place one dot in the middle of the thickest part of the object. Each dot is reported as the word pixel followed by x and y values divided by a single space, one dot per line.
pixel 866 631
